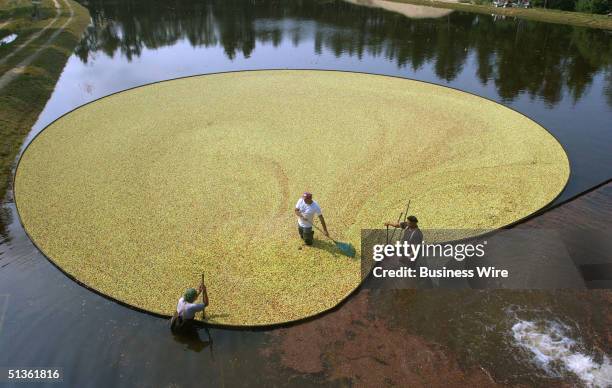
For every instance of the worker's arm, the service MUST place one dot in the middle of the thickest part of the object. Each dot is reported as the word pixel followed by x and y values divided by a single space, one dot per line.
pixel 323 225
pixel 395 224
pixel 299 214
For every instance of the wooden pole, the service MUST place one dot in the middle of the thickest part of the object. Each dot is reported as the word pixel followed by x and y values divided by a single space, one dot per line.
pixel 203 311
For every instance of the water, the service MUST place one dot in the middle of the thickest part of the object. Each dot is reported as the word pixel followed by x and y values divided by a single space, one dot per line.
pixel 557 353
pixel 560 76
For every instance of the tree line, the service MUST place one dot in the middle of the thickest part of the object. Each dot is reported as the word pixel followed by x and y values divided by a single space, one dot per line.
pixel 517 56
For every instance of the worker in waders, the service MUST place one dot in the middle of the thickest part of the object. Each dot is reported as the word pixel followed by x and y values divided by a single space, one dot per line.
pixel 183 320
pixel 411 232
pixel 305 209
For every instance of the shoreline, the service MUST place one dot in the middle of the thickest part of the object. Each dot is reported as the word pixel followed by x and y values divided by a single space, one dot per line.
pixel 29 75
pixel 536 14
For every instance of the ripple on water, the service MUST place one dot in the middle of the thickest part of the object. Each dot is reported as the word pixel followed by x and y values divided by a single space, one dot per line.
pixel 554 350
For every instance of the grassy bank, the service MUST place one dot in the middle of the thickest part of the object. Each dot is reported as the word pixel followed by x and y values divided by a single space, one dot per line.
pixel 33 69
pixel 536 14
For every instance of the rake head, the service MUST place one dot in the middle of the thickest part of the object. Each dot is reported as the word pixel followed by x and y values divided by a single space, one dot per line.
pixel 346 248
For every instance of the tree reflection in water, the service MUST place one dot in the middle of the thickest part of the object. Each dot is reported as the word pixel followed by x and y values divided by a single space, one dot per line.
pixel 544 60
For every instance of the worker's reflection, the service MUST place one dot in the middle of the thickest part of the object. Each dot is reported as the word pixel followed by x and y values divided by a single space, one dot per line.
pixel 192 338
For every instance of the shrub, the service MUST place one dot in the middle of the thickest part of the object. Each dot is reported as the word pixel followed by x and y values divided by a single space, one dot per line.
pixel 593 6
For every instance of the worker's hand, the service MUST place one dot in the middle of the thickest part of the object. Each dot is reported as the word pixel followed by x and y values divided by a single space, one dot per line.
pixel 201 287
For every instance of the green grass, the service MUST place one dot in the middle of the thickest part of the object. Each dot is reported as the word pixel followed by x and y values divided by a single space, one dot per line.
pixel 20 11
pixel 23 99
pixel 536 14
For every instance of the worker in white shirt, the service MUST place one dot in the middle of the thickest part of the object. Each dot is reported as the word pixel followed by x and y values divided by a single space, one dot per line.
pixel 305 209
pixel 183 319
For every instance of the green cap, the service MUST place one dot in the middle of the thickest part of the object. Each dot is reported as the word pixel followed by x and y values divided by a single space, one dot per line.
pixel 190 295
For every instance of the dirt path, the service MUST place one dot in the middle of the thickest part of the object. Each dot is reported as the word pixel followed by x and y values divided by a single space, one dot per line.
pixel 6 23
pixel 35 36
pixel 13 73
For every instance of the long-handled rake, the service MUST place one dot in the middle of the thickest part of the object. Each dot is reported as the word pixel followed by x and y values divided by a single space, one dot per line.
pixel 346 248
pixel 387 235
pixel 203 311
pixel 407 208
pixel 399 219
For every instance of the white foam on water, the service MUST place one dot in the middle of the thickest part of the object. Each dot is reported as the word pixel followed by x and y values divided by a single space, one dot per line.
pixel 555 352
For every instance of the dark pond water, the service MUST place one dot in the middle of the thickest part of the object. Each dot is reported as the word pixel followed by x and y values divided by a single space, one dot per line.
pixel 560 76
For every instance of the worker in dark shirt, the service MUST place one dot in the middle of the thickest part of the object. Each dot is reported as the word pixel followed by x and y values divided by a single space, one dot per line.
pixel 411 232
